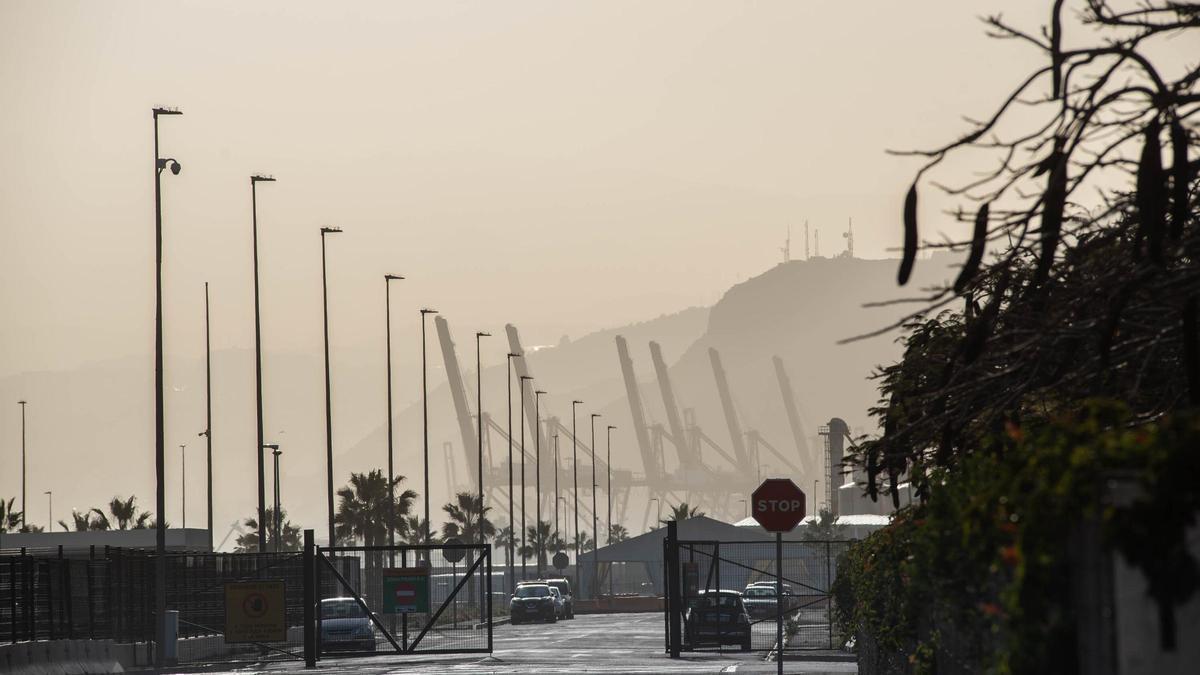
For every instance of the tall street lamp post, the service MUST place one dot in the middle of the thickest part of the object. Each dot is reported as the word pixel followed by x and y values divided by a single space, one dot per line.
pixel 328 397
pixel 258 378
pixel 183 483
pixel 277 519
pixel 425 416
pixel 24 509
pixel 207 433
pixel 160 460
pixel 595 515
pixel 610 525
pixel 479 419
pixel 556 497
pixel 575 473
pixel 511 508
pixel 387 299
pixel 537 471
pixel 50 511
pixel 521 385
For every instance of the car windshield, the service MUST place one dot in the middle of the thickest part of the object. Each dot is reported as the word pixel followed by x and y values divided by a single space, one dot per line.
pixel 533 591
pixel 760 592
pixel 341 609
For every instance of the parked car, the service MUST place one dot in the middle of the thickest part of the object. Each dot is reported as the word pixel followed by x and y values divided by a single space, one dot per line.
pixel 760 601
pixel 564 589
pixel 559 603
pixel 717 618
pixel 345 626
pixel 532 602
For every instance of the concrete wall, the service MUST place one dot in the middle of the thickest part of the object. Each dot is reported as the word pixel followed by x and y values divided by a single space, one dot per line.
pixel 178 539
pixel 72 657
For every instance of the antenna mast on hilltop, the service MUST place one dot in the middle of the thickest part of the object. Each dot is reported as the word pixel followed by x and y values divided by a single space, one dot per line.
pixel 849 236
pixel 806 240
pixel 817 243
pixel 787 246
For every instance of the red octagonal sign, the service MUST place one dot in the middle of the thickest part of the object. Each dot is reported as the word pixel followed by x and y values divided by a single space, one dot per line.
pixel 778 505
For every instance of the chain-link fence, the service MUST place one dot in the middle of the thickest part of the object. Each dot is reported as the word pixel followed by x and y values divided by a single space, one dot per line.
pixel 730 598
pixel 407 599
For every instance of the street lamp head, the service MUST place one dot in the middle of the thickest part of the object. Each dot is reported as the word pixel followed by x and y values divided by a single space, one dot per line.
pixel 514 356
pixel 526 377
pixel 539 392
pixel 166 162
pixel 611 427
pixel 595 415
pixel 261 178
pixel 428 311
pixel 21 402
pixel 576 402
pixel 202 434
pixel 330 230
pixel 482 334
pixel 392 277
pixel 167 111
pixel 271 446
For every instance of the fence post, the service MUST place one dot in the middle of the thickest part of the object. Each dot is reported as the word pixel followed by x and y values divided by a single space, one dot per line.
pixel 91 578
pixel 673 602
pixel 487 551
pixel 310 602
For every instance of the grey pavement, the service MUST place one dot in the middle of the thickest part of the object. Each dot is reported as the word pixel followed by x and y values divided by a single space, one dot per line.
pixel 598 643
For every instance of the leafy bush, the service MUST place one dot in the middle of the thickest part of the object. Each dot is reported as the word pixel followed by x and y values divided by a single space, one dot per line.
pixel 978 573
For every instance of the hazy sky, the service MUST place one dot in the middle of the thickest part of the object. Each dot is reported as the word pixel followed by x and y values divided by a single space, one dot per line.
pixel 561 165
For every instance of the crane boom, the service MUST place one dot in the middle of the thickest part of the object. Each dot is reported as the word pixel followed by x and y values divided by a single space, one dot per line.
pixel 793 414
pixel 731 418
pixel 458 393
pixel 638 413
pixel 687 458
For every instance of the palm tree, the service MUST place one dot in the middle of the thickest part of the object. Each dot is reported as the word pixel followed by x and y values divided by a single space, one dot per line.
pixel 468 519
pixel 83 522
pixel 124 513
pixel 10 520
pixel 504 539
pixel 290 538
pixel 539 541
pixel 617 534
pixel 824 528
pixel 585 542
pixel 411 530
pixel 363 512
pixel 682 512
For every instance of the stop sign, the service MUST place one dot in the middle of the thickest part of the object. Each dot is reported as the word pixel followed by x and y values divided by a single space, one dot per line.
pixel 777 505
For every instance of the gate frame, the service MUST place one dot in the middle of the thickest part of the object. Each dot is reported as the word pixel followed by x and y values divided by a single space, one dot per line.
pixel 674 606
pixel 321 555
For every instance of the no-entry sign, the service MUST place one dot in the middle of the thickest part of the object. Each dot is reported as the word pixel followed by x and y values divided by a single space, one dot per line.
pixel 778 505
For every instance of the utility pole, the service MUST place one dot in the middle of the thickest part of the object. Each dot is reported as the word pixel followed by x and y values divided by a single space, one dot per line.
pixel 521 385
pixel 258 377
pixel 328 395
pixel 183 484
pixel 595 515
pixel 537 470
pixel 610 525
pixel 575 472
pixel 556 497
pixel 208 418
pixel 387 314
pixel 24 508
pixel 512 514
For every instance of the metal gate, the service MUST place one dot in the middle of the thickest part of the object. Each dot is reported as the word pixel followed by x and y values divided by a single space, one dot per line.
pixel 707 582
pixel 359 613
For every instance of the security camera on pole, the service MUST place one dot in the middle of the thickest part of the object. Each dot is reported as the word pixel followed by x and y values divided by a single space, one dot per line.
pixel 778 505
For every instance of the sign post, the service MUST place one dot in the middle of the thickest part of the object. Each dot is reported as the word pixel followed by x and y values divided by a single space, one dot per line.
pixel 778 505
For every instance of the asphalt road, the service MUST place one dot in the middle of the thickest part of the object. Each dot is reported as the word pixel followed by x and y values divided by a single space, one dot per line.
pixel 598 643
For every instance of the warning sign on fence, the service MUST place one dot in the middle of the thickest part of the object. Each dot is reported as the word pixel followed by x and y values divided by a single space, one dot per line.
pixel 406 589
pixel 254 612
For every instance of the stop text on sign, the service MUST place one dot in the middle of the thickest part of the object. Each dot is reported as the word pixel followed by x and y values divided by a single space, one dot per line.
pixel 781 505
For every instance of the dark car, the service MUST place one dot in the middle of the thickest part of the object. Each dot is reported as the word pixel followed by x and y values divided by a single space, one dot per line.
pixel 345 626
pixel 760 601
pixel 717 618
pixel 533 602
pixel 564 589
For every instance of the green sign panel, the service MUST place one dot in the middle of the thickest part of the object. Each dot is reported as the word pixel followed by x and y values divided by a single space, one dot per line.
pixel 406 589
